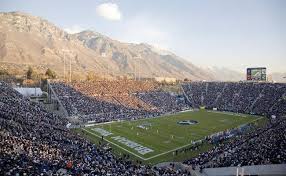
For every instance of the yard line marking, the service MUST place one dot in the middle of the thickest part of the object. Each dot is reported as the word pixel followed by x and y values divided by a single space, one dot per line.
pixel 145 159
pixel 116 145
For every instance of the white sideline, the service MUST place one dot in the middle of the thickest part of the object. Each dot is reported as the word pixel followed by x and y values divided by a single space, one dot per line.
pixel 169 151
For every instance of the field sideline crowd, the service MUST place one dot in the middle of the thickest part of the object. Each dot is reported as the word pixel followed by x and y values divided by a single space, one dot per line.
pixel 242 97
pixel 264 145
pixel 37 142
pixel 102 101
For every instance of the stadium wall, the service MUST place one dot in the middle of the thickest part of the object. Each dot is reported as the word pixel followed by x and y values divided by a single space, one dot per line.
pixel 263 170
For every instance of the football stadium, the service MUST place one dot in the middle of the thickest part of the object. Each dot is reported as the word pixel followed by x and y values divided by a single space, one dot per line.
pixel 75 102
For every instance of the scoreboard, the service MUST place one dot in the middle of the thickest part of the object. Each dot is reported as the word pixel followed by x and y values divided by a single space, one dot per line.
pixel 256 74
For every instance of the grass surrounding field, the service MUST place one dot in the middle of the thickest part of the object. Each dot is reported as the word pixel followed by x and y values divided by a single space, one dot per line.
pixel 164 135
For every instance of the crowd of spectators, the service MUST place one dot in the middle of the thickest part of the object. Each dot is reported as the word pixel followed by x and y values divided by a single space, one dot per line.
pixel 163 102
pixel 264 145
pixel 261 145
pixel 110 100
pixel 242 97
pixel 34 141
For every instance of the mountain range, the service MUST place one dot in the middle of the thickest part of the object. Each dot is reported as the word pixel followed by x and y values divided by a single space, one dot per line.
pixel 27 40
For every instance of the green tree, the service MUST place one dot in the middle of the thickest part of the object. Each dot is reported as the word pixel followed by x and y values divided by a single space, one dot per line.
pixel 50 74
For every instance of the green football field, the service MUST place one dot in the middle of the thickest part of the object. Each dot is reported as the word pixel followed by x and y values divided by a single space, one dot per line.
pixel 154 140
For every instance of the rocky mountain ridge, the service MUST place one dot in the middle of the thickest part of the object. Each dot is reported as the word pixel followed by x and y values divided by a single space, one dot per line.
pixel 27 40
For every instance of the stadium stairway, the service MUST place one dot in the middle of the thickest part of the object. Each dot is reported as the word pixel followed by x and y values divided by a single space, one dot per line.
pixel 51 90
pixel 186 96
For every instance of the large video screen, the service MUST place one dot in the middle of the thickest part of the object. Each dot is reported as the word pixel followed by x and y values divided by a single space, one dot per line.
pixel 256 74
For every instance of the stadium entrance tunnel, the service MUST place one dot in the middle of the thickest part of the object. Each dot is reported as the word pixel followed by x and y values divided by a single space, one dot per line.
pixel 187 122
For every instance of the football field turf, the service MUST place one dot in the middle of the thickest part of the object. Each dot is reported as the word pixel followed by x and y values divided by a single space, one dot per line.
pixel 156 139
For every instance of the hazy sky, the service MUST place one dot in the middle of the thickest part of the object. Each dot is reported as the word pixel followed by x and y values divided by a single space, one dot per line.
pixel 224 33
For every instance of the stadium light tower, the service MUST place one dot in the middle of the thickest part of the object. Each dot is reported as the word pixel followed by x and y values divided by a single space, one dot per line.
pixel 67 51
pixel 64 66
pixel 64 51
pixel 138 58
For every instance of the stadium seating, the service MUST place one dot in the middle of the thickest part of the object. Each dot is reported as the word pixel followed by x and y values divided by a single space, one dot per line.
pixel 36 142
pixel 264 145
pixel 110 100
pixel 260 146
pixel 241 97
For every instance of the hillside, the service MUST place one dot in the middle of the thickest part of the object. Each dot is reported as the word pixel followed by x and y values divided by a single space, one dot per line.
pixel 278 77
pixel 225 74
pixel 29 40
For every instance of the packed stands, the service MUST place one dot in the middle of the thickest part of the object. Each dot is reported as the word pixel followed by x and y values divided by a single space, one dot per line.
pixel 34 141
pixel 241 97
pixel 163 101
pixel 265 145
pixel 37 142
pixel 110 100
